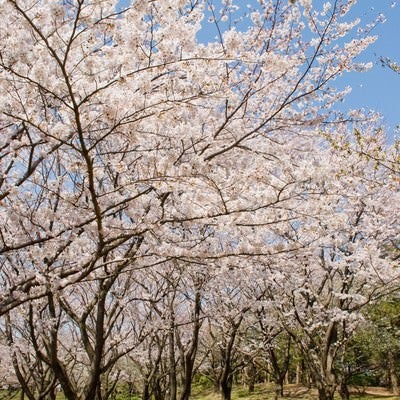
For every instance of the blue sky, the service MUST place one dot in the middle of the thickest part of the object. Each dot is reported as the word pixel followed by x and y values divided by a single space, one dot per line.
pixel 379 88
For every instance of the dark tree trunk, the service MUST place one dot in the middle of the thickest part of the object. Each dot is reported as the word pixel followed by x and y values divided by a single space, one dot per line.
pixel 93 390
pixel 146 391
pixel 344 390
pixel 189 356
pixel 278 392
pixel 394 381
pixel 280 368
pixel 326 393
pixel 281 383
pixel 227 372
pixel 158 392
pixel 252 386
pixel 173 384
pixel 226 388
pixel 327 382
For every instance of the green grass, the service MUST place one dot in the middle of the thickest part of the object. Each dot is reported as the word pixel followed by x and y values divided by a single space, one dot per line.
pixel 266 392
pixel 261 392
pixel 16 395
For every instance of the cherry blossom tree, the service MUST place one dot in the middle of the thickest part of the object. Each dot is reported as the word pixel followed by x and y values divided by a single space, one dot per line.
pixel 343 267
pixel 76 339
pixel 393 65
pixel 128 146
pixel 275 345
pixel 119 127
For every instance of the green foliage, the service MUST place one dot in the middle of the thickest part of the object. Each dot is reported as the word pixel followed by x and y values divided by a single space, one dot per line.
pixel 201 384
pixel 125 392
pixel 366 359
pixel 385 319
pixel 367 378
pixel 126 396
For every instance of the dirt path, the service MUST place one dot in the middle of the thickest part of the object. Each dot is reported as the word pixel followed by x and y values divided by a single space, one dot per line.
pixel 374 391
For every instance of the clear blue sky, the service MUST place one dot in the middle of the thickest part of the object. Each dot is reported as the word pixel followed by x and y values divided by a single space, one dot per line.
pixel 379 88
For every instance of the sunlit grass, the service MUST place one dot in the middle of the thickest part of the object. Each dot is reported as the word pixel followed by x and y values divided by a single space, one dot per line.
pixel 261 392
pixel 266 392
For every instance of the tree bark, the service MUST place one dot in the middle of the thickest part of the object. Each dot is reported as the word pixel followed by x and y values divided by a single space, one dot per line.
pixel 227 373
pixel 146 391
pixel 173 385
pixel 344 390
pixel 298 374
pixel 252 376
pixel 189 356
pixel 94 386
pixel 226 387
pixel 394 381
pixel 326 393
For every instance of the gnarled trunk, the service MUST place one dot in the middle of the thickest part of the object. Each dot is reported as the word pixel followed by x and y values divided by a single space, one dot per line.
pixel 326 393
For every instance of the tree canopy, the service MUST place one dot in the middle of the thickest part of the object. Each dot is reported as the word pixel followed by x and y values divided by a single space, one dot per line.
pixel 162 197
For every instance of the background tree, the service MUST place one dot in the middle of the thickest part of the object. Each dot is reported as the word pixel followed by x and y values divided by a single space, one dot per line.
pixel 343 267
pixel 385 317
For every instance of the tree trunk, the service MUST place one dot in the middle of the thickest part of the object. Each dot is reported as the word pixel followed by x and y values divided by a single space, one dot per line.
pixel 189 357
pixel 146 391
pixel 187 379
pixel 279 383
pixel 226 388
pixel 326 393
pixel 394 381
pixel 227 373
pixel 278 392
pixel 298 374
pixel 327 382
pixel 172 367
pixel 344 390
pixel 251 385
pixel 93 389
pixel 217 385
pixel 158 392
pixel 252 376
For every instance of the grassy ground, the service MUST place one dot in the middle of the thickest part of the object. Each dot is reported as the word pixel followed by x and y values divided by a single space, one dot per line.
pixel 16 395
pixel 266 392
pixel 262 392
